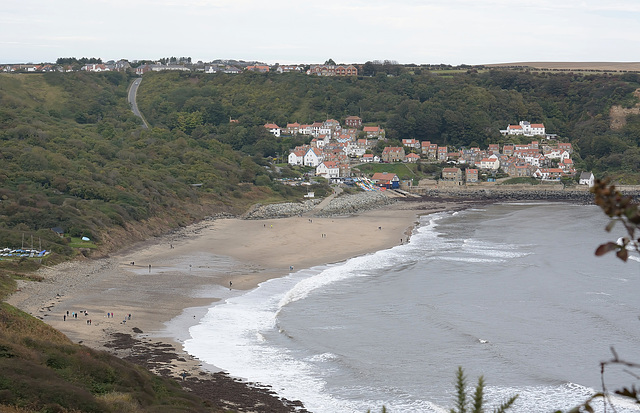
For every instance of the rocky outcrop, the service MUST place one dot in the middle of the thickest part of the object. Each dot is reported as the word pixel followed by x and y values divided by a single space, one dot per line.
pixel 284 210
pixel 351 204
pixel 342 205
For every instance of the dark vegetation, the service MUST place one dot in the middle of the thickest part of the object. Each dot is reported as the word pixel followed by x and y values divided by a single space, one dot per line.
pixel 464 109
pixel 73 155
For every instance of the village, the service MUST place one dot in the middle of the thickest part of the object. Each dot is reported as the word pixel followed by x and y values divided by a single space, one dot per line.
pixel 334 150
pixel 228 67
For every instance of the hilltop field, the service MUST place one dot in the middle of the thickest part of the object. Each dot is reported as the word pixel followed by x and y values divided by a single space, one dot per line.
pixel 575 66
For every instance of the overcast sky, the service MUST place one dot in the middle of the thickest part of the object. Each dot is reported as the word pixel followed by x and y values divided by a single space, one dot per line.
pixel 299 31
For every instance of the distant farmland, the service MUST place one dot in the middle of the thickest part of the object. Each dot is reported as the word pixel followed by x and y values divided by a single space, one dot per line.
pixel 575 66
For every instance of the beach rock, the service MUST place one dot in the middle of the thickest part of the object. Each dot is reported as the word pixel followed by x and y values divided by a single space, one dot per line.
pixel 352 204
pixel 284 210
pixel 342 205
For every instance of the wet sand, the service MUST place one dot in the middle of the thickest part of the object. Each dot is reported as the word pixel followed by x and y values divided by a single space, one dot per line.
pixel 167 284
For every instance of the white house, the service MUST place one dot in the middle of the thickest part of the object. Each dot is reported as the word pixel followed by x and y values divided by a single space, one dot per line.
pixel 534 159
pixel 548 173
pixel 355 150
pixel 328 170
pixel 273 128
pixel 586 178
pixel 491 162
pixel 525 128
pixel 412 158
pixel 318 129
pixel 369 157
pixel 559 154
pixel 296 157
pixel 313 157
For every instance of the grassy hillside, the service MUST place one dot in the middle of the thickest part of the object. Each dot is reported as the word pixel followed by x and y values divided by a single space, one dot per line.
pixel 461 109
pixel 73 156
pixel 42 371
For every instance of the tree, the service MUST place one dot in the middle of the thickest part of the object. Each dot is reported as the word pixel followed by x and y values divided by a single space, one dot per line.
pixel 620 209
pixel 330 62
pixel 462 402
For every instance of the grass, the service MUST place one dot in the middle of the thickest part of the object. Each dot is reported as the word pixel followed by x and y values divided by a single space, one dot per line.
pixel 43 371
pixel 77 242
pixel 403 170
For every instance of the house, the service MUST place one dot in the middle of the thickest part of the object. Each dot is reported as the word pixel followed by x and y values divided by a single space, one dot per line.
pixel 293 128
pixel 318 128
pixel 508 149
pixel 429 149
pixel 471 175
pixel 232 70
pixel 411 143
pixel 296 157
pixel 565 147
pixel 313 157
pixel 258 68
pixel 373 131
pixel 59 231
pixel 386 180
pixel 331 70
pixel 288 68
pixel 412 158
pixel 212 69
pixel 524 128
pixel 442 153
pixel 494 148
pixel 548 173
pixel 328 170
pixel 452 175
pixel 369 157
pixel 586 178
pixel 355 150
pixel 332 124
pixel 353 122
pixel 521 171
pixel 273 128
pixel 559 154
pixel 492 163
pixel 393 154
pixel 567 166
pixel 95 68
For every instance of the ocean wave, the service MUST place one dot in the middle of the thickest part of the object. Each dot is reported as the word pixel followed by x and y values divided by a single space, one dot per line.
pixel 322 357
pixel 469 259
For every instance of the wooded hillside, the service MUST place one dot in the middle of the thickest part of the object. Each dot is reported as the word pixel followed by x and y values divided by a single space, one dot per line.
pixel 74 156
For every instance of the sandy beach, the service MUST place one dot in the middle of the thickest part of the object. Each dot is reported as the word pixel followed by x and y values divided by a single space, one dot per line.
pixel 158 289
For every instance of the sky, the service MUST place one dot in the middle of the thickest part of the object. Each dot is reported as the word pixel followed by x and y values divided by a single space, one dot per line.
pixel 297 31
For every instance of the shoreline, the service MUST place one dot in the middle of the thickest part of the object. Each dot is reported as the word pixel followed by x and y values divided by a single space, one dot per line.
pixel 177 277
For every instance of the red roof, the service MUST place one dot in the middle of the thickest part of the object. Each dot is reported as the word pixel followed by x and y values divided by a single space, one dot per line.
pixel 383 176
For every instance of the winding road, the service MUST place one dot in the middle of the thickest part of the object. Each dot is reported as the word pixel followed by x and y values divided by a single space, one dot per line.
pixel 131 97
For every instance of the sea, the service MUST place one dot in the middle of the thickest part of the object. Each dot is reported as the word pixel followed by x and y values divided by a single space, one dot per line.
pixel 511 292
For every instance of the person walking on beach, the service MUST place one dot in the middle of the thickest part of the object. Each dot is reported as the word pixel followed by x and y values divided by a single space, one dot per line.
pixel 149 268
pixel 230 284
pixel 64 317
